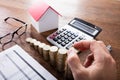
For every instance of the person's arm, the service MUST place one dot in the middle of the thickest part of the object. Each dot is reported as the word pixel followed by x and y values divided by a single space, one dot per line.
pixel 99 65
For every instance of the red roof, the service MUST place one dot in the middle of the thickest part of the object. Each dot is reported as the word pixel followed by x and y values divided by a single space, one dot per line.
pixel 38 9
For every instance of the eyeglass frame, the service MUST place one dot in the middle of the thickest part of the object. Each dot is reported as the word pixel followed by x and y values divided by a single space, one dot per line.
pixel 14 32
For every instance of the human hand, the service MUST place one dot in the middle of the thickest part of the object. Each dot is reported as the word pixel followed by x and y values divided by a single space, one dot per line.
pixel 99 64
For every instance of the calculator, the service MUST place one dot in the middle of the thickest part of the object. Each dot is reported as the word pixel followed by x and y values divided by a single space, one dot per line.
pixel 76 30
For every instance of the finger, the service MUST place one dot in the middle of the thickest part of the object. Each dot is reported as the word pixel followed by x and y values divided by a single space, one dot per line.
pixel 103 45
pixel 83 44
pixel 99 52
pixel 73 61
pixel 95 47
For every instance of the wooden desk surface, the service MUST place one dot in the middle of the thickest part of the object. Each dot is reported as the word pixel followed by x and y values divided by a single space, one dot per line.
pixel 103 13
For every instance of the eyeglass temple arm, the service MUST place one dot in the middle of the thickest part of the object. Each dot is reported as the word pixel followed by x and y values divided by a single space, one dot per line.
pixel 15 19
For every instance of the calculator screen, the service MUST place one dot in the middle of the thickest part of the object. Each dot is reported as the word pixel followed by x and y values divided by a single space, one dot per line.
pixel 83 27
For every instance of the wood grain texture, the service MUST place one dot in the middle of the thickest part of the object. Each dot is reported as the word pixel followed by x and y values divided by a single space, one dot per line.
pixel 103 13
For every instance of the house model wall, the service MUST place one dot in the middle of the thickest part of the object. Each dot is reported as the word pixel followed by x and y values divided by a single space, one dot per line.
pixel 44 17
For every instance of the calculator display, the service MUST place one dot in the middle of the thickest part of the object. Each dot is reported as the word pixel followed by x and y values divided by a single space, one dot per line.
pixel 84 27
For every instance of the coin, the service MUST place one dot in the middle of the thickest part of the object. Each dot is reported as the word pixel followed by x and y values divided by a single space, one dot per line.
pixel 32 41
pixel 46 49
pixel 40 48
pixel 52 54
pixel 61 58
pixel 36 44
pixel 28 40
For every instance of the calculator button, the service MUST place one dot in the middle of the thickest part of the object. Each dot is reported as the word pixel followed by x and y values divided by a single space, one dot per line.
pixel 54 34
pixel 78 40
pixel 63 39
pixel 75 34
pixel 65 32
pixel 51 37
pixel 80 37
pixel 59 41
pixel 69 39
pixel 70 45
pixel 63 43
pixel 61 35
pixel 55 39
pixel 60 31
pixel 63 29
pixel 69 31
pixel 69 34
pixel 57 32
pixel 66 41
pixel 73 37
pixel 65 36
pixel 58 37
pixel 84 39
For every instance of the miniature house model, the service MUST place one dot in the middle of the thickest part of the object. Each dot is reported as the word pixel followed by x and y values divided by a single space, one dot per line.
pixel 44 17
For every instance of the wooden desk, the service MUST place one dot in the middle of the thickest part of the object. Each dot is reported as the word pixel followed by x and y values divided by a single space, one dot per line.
pixel 103 13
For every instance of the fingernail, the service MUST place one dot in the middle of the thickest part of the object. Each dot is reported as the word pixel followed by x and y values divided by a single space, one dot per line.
pixel 72 51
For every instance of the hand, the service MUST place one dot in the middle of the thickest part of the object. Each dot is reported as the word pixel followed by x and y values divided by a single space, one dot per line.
pixel 99 64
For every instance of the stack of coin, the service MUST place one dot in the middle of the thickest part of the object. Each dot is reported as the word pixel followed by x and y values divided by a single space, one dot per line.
pixel 36 44
pixel 68 73
pixel 40 48
pixel 32 41
pixel 52 55
pixel 46 49
pixel 61 58
pixel 28 39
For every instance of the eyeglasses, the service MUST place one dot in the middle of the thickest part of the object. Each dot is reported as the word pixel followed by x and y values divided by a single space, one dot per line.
pixel 7 38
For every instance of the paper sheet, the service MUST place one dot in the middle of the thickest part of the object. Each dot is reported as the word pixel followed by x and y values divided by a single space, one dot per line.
pixel 16 64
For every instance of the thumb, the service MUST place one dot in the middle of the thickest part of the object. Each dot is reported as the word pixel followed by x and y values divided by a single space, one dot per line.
pixel 74 61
